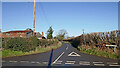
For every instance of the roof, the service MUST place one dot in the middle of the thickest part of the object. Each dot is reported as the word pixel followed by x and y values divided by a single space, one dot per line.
pixel 17 31
pixel 38 34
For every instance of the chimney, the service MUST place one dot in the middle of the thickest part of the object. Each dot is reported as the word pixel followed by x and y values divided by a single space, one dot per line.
pixel 42 33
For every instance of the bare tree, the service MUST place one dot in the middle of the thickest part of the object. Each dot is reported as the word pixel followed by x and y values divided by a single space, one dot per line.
pixel 61 34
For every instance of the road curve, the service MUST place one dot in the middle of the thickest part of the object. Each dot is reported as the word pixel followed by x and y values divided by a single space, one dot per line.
pixel 66 55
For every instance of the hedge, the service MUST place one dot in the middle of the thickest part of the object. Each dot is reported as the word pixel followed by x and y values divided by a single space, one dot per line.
pixel 25 44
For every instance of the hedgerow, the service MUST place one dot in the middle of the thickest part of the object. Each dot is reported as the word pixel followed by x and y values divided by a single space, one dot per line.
pixel 98 40
pixel 25 44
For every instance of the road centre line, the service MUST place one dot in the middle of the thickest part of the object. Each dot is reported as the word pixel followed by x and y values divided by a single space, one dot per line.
pixel 58 58
pixel 66 48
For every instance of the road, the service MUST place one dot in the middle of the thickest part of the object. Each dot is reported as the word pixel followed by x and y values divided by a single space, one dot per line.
pixel 66 55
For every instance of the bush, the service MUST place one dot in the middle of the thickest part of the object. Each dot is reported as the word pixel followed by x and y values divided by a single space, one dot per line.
pixel 20 44
pixel 47 42
pixel 26 44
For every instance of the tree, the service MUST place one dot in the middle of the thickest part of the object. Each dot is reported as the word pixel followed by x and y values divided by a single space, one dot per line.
pixel 49 33
pixel 61 34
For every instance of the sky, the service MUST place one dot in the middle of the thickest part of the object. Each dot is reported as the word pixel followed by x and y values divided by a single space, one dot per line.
pixel 71 16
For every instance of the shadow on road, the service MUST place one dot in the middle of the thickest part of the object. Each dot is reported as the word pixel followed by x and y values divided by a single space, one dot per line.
pixel 50 59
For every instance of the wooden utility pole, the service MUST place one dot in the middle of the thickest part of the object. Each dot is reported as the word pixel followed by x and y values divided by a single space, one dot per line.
pixel 34 21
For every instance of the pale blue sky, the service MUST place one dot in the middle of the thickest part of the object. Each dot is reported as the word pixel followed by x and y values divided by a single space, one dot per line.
pixel 71 16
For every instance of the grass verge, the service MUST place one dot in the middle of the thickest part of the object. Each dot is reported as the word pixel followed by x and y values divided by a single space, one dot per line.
pixel 97 52
pixel 11 53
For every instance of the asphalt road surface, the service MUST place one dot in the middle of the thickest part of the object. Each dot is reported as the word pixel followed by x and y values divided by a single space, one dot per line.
pixel 66 55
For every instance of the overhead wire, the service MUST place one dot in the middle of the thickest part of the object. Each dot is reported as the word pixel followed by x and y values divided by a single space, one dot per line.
pixel 44 14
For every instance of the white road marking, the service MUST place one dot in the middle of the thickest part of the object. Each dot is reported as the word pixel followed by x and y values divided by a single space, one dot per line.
pixel 111 63
pixel 70 62
pixel 57 58
pixel 33 62
pixel 114 65
pixel 84 63
pixel 99 64
pixel 73 53
pixel 12 61
pixel 24 61
pixel 45 62
pixel 58 62
pixel 66 48
pixel 38 62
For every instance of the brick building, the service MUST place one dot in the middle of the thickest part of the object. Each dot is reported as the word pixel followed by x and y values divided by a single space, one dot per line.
pixel 39 36
pixel 19 33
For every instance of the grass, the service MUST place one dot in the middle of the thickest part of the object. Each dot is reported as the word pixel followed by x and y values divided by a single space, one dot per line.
pixel 97 52
pixel 11 53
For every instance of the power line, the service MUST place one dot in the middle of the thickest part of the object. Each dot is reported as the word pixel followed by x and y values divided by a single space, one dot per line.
pixel 44 14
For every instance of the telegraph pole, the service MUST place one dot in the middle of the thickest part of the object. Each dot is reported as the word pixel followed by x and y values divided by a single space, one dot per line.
pixel 34 21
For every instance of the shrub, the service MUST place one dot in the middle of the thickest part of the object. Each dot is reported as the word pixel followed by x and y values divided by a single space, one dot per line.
pixel 47 42
pixel 26 44
pixel 20 44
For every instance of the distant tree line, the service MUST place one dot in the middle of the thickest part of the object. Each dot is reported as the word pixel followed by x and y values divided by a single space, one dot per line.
pixel 60 35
